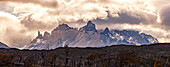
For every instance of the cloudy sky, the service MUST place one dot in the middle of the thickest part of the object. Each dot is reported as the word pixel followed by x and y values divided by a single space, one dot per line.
pixel 21 19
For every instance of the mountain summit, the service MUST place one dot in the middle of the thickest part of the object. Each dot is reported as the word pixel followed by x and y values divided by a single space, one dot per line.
pixel 106 32
pixel 88 36
pixel 63 27
pixel 89 27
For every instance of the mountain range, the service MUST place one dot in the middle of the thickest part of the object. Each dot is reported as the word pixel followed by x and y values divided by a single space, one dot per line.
pixel 88 36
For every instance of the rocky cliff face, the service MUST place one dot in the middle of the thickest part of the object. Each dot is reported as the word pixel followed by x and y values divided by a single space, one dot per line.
pixel 88 36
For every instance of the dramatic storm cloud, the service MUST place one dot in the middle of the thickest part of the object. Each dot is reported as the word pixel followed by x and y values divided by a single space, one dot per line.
pixel 19 19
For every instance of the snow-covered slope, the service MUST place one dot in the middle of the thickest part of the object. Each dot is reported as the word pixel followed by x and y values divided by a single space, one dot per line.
pixel 109 38
pixel 134 37
pixel 88 36
pixel 2 45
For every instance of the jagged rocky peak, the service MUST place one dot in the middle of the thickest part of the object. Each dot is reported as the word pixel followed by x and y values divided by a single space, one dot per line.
pixel 39 35
pixel 89 27
pixel 63 27
pixel 106 31
pixel 46 35
pixel 90 24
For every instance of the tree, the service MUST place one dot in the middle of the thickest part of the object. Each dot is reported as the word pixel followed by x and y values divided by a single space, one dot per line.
pixel 29 61
pixel 53 57
pixel 20 58
pixel 125 58
pixel 42 56
pixel 158 63
pixel 80 62
pixel 96 59
pixel 67 51
pixel 5 59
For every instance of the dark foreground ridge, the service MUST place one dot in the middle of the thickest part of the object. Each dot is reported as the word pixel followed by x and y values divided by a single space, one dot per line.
pixel 110 56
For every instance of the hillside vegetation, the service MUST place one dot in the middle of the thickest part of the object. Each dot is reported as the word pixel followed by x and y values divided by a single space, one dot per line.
pixel 157 55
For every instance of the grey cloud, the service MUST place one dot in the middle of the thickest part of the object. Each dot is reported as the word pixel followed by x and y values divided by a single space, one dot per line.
pixel 12 31
pixel 96 9
pixel 165 15
pixel 36 25
pixel 160 3
pixel 128 18
pixel 44 3
pixel 123 18
pixel 16 39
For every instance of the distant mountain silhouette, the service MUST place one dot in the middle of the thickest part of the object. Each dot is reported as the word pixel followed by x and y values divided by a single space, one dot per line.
pixel 88 36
